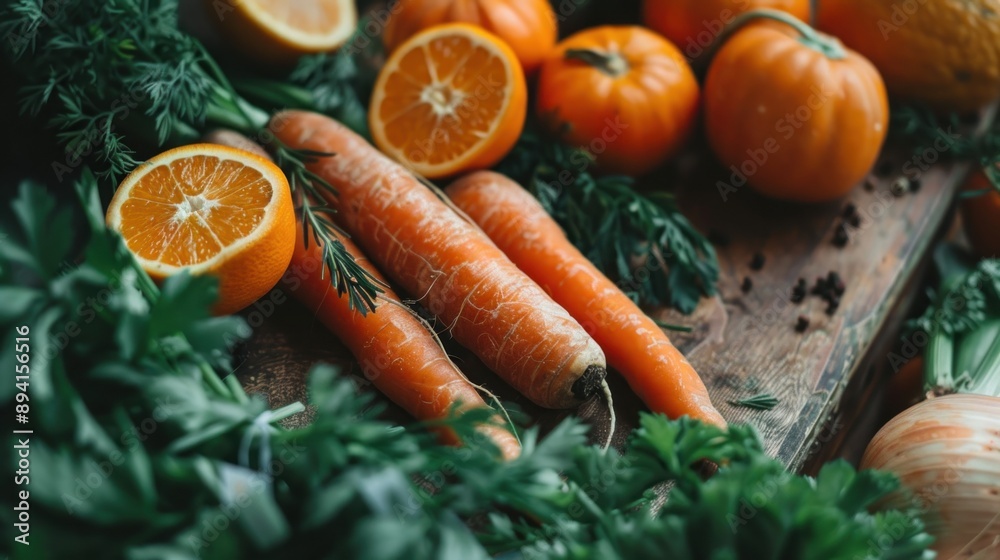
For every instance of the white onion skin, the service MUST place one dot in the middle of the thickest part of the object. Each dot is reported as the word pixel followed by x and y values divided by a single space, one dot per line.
pixel 947 451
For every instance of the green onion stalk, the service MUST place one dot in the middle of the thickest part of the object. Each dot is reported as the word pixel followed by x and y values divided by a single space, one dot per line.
pixel 963 327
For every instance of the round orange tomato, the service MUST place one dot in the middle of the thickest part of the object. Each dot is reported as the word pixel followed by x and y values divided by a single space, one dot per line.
pixel 943 53
pixel 981 217
pixel 623 93
pixel 793 113
pixel 694 25
pixel 528 26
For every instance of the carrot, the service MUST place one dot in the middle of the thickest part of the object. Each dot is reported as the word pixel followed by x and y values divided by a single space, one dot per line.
pixel 234 139
pixel 397 353
pixel 454 270
pixel 633 342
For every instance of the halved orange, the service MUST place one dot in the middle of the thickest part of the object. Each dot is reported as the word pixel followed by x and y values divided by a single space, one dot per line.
pixel 209 209
pixel 452 98
pixel 283 30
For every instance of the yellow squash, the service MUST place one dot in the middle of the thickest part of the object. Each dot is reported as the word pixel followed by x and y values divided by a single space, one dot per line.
pixel 944 53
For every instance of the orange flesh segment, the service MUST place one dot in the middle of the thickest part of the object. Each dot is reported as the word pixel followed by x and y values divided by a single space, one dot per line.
pixel 313 17
pixel 187 211
pixel 449 90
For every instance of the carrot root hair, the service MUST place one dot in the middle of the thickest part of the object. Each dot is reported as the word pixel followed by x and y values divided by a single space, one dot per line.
pixel 611 412
pixel 492 396
pixel 451 204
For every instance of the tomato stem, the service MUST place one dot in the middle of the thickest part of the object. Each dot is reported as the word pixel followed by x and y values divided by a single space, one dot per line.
pixel 611 63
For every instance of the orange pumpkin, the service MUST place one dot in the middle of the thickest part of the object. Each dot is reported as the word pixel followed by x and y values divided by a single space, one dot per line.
pixel 693 25
pixel 943 53
pixel 981 216
pixel 792 112
pixel 528 26
pixel 623 93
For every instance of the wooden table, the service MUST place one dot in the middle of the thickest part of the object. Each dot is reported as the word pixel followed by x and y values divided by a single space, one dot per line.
pixel 743 344
pixel 827 376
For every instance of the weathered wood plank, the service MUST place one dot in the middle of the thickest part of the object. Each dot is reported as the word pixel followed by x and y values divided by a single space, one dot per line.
pixel 756 348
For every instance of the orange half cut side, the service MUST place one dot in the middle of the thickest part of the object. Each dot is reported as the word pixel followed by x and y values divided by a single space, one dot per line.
pixel 209 209
pixel 450 99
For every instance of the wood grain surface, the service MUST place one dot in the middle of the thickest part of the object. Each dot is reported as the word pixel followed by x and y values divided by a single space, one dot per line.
pixel 742 343
pixel 746 343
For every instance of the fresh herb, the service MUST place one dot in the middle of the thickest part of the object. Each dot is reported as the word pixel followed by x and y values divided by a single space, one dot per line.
pixel 325 83
pixel 942 136
pixel 963 325
pixel 642 242
pixel 107 69
pixel 673 327
pixel 139 450
pixel 757 402
pixel 751 508
pixel 349 276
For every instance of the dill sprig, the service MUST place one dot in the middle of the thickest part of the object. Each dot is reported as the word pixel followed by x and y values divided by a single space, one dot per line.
pixel 112 70
pixel 643 242
pixel 763 401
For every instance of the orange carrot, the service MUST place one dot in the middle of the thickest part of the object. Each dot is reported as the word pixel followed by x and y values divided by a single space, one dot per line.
pixel 395 350
pixel 633 342
pixel 458 274
pixel 234 139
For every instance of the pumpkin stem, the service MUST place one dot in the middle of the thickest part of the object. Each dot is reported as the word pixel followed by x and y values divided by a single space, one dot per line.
pixel 611 63
pixel 826 44
pixel 829 46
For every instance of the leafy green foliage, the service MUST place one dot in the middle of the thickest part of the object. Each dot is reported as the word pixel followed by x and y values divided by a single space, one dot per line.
pixel 962 323
pixel 324 83
pixel 140 450
pixel 112 66
pixel 107 69
pixel 642 242
pixel 943 136
pixel 750 508
pixel 970 293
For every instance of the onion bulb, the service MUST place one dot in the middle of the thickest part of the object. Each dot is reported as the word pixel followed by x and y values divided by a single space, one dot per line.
pixel 946 452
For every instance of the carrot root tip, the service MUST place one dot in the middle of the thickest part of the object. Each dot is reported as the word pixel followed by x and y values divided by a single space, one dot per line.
pixel 589 382
pixel 705 468
pixel 612 418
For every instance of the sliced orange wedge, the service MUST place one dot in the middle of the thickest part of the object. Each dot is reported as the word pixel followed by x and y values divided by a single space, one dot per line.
pixel 283 30
pixel 209 209
pixel 450 99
